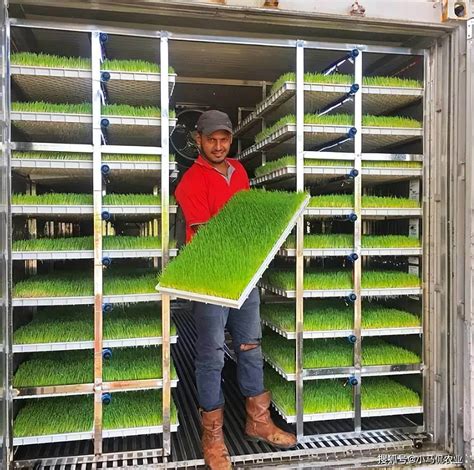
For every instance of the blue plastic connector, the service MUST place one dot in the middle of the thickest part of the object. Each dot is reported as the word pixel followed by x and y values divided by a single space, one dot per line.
pixel 107 308
pixel 352 217
pixel 351 297
pixel 105 215
pixel 106 261
pixel 103 37
pixel 352 339
pixel 105 76
pixel 104 122
pixel 105 169
pixel 106 354
pixel 106 398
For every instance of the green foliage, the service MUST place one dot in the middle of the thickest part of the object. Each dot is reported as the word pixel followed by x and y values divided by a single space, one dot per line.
pixel 61 415
pixel 136 409
pixel 323 353
pixel 341 120
pixel 333 279
pixel 73 283
pixel 117 242
pixel 43 107
pixel 341 79
pixel 290 160
pixel 55 61
pixel 76 199
pixel 68 324
pixel 319 396
pixel 77 367
pixel 342 240
pixel 330 396
pixel 58 415
pixel 388 201
pixel 318 353
pixel 347 200
pixel 86 108
pixel 226 252
pixel 329 279
pixel 322 241
pixel 49 60
pixel 106 157
pixel 328 314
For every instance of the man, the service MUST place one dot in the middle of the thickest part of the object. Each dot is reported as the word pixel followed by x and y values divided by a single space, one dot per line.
pixel 205 188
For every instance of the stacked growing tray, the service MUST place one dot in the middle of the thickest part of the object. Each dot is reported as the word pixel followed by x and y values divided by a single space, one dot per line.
pixel 94 350
pixel 357 359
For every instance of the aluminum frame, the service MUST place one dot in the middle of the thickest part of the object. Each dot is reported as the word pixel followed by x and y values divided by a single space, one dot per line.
pixel 5 240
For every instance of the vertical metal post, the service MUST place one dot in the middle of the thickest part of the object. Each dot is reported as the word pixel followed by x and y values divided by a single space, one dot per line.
pixel 358 239
pixel 414 226
pixel 6 311
pixel 468 352
pixel 165 230
pixel 299 237
pixel 31 265
pixel 96 55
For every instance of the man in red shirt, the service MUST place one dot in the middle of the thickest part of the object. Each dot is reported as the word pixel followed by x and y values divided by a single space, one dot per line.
pixel 205 188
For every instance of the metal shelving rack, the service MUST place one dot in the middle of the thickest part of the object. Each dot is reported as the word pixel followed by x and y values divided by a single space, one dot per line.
pixel 86 134
pixel 300 96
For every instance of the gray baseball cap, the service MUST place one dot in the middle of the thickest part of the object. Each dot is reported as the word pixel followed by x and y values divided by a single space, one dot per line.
pixel 213 120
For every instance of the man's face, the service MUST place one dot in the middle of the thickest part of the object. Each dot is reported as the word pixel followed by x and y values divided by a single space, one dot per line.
pixel 216 146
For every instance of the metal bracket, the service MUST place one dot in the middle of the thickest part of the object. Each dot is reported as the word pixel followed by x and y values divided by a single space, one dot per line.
pixel 470 28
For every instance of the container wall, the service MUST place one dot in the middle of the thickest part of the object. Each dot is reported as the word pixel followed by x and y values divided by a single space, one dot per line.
pixel 4 217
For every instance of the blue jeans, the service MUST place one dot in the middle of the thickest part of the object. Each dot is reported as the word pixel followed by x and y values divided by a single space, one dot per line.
pixel 245 328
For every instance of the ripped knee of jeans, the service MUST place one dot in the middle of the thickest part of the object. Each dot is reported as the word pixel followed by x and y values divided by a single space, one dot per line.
pixel 249 346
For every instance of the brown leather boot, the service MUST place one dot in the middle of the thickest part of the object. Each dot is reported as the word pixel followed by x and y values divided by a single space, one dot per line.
pixel 214 449
pixel 260 426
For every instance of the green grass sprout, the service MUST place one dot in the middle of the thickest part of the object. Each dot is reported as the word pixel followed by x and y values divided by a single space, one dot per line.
pixel 77 284
pixel 290 161
pixel 54 61
pixel 77 367
pixel 328 314
pixel 118 242
pixel 343 240
pixel 347 200
pixel 69 324
pixel 332 279
pixel 343 79
pixel 86 108
pixel 253 220
pixel 332 396
pixel 341 120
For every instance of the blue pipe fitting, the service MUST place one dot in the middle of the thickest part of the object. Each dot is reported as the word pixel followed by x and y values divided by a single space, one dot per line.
pixel 105 215
pixel 105 76
pixel 107 308
pixel 106 398
pixel 354 89
pixel 352 217
pixel 352 381
pixel 104 122
pixel 351 132
pixel 352 339
pixel 103 37
pixel 351 297
pixel 105 169
pixel 354 53
pixel 353 173
pixel 352 257
pixel 106 261
pixel 106 354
